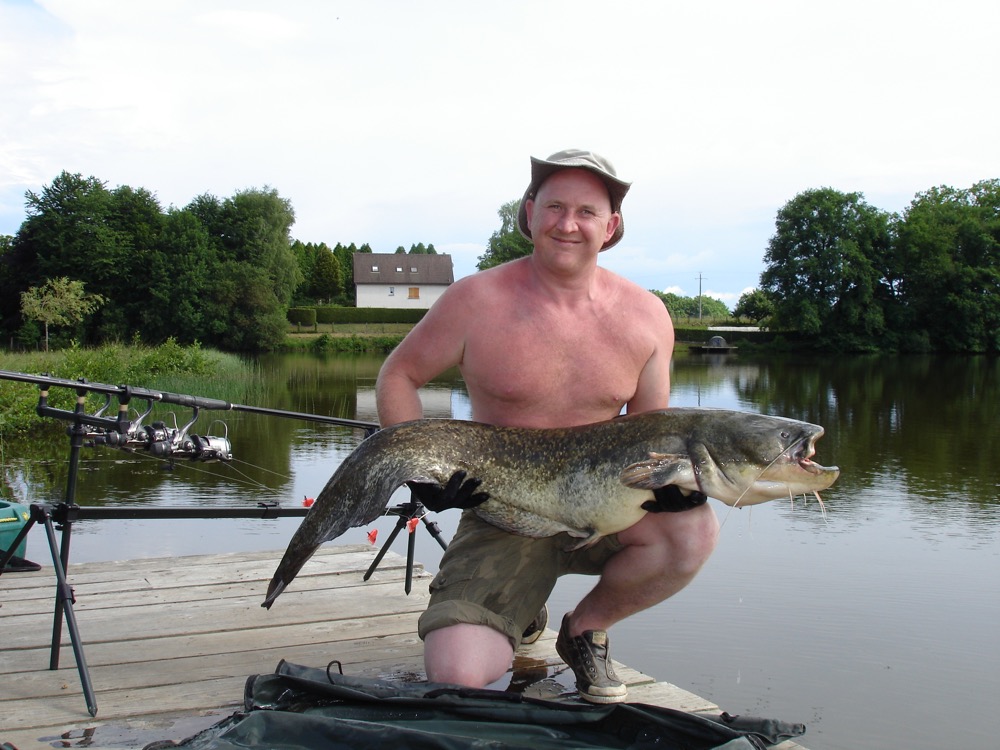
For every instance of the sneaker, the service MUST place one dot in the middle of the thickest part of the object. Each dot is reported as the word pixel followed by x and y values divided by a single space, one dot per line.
pixel 537 626
pixel 590 659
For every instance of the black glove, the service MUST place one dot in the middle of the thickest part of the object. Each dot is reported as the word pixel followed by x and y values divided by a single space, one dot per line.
pixel 458 493
pixel 671 499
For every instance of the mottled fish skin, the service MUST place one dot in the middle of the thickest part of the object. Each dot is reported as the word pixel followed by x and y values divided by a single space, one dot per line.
pixel 588 481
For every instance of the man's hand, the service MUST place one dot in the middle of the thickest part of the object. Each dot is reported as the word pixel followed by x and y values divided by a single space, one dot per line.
pixel 672 499
pixel 458 493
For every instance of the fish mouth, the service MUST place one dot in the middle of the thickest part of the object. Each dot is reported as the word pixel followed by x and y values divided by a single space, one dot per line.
pixel 803 451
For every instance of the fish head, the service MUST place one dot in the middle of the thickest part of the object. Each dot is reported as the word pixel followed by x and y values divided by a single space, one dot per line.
pixel 739 458
pixel 746 459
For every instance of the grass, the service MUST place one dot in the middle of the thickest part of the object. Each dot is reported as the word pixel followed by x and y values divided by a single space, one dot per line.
pixel 168 367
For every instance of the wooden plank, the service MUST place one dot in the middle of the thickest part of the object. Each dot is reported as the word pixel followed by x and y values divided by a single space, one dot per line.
pixel 89 597
pixel 379 657
pixel 175 657
pixel 231 617
pixel 187 574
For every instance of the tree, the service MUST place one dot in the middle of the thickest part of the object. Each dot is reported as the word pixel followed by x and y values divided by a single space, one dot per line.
pixel 507 243
pixel 709 307
pixel 826 268
pixel 948 251
pixel 345 256
pixel 66 233
pixel 754 305
pixel 250 234
pixel 60 301
pixel 688 307
pixel 327 281
pixel 421 249
pixel 181 276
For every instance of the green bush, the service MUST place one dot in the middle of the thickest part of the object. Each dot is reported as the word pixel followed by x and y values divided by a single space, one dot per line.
pixel 302 316
pixel 163 367
pixel 331 315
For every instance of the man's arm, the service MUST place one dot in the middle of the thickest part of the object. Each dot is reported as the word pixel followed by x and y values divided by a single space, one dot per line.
pixel 653 387
pixel 435 344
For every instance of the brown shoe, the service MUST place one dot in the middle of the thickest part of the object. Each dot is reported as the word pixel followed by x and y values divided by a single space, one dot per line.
pixel 537 626
pixel 590 659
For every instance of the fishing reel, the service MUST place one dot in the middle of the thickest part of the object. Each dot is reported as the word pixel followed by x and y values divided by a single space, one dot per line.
pixel 164 441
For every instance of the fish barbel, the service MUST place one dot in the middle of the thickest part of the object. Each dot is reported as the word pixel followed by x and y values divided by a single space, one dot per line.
pixel 588 481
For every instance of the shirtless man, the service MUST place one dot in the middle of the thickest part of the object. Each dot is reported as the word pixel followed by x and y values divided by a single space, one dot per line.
pixel 549 340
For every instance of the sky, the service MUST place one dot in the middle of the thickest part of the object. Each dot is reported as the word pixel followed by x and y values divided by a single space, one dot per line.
pixel 393 123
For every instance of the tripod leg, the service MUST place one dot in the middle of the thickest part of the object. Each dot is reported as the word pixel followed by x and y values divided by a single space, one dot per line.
pixel 8 554
pixel 385 547
pixel 411 544
pixel 435 531
pixel 64 604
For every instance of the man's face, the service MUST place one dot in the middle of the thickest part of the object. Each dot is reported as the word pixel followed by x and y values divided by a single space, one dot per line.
pixel 571 213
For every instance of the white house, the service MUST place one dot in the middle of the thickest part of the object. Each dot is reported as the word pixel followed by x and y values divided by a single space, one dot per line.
pixel 400 279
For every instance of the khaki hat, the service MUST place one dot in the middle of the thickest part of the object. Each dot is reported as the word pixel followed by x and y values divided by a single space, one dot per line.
pixel 542 169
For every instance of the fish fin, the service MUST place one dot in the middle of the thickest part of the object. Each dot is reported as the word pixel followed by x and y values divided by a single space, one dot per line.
pixel 273 592
pixel 660 470
pixel 591 539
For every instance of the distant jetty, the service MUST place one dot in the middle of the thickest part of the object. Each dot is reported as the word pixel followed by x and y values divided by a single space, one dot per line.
pixel 715 345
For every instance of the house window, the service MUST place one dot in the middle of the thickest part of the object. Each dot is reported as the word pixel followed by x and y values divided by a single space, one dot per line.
pixel 399 269
pixel 374 269
pixel 392 291
pixel 414 292
pixel 413 269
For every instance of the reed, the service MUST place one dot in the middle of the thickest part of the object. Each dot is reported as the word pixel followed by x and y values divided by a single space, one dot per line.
pixel 168 367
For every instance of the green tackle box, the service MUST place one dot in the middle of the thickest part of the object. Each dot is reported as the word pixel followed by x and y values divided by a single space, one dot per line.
pixel 13 518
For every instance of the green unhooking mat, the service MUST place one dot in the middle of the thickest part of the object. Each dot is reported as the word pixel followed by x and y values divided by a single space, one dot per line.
pixel 300 708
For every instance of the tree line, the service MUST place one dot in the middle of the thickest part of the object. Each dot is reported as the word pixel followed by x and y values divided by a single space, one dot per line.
pixel 855 278
pixel 113 265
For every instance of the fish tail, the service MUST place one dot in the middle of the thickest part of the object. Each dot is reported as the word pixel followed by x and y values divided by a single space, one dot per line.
pixel 273 592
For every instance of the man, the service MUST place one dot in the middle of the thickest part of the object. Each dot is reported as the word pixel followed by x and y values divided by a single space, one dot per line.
pixel 549 340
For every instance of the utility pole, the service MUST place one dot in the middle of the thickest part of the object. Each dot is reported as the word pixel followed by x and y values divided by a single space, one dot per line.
pixel 699 296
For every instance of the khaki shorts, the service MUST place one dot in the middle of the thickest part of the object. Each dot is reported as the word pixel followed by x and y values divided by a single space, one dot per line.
pixel 492 577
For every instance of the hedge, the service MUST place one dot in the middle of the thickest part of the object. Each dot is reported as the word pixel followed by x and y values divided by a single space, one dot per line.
pixel 302 316
pixel 366 315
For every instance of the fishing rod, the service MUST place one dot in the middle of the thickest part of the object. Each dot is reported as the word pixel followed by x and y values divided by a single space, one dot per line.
pixel 125 393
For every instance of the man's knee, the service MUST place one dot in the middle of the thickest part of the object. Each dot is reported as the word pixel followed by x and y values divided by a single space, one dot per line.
pixel 469 655
pixel 686 540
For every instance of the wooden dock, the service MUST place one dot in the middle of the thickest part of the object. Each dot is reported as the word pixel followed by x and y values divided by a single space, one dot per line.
pixel 170 643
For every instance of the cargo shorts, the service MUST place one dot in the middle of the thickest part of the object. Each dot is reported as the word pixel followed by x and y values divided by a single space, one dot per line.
pixel 491 577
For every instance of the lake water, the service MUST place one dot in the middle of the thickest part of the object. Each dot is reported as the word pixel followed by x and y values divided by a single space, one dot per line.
pixel 874 623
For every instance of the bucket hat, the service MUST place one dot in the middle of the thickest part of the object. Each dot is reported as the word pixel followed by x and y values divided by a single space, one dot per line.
pixel 573 158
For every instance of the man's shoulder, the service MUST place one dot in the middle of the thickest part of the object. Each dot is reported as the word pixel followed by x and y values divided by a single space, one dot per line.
pixel 492 279
pixel 628 288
